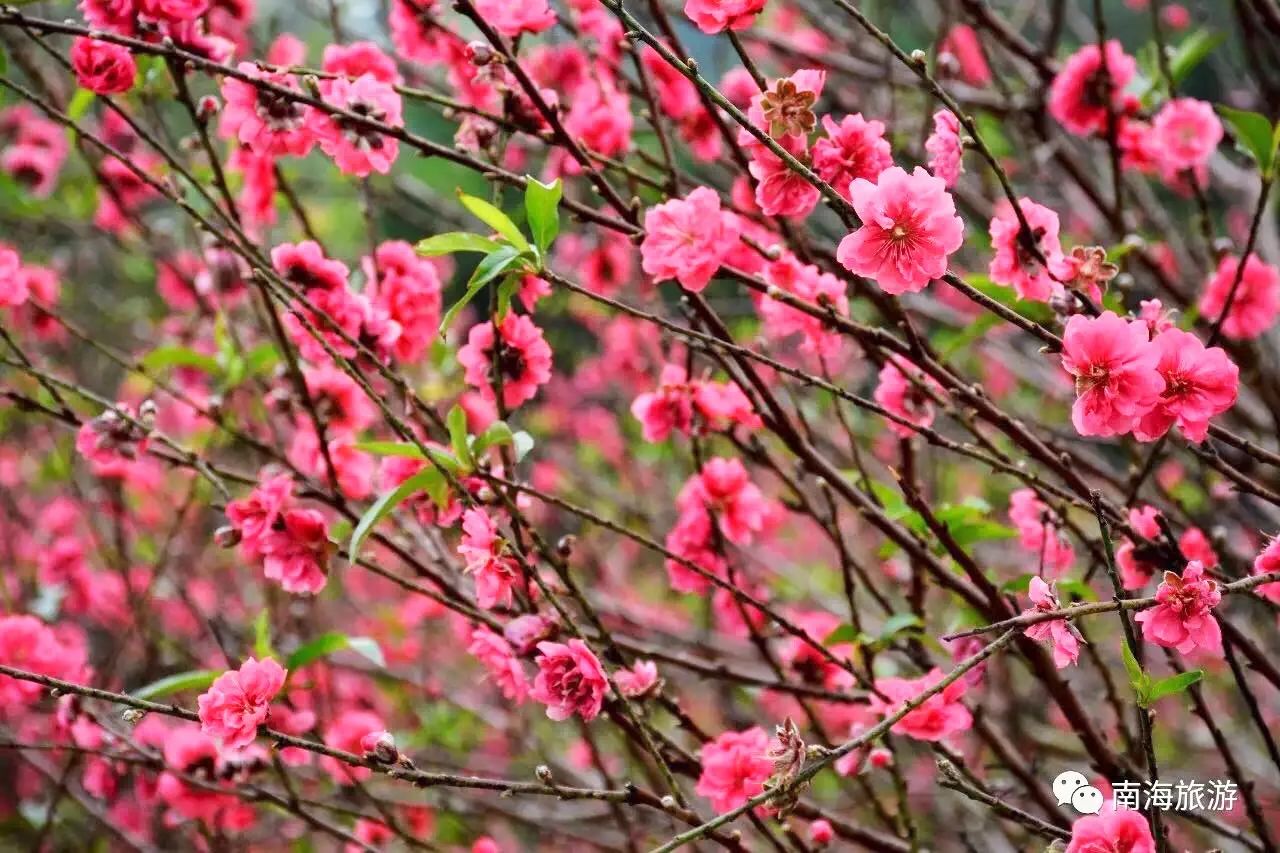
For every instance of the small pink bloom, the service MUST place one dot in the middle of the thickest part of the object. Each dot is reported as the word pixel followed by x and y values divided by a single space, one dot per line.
pixel 854 148
pixel 1121 831
pixel 258 515
pixel 347 732
pixel 360 57
pixel 1181 619
pixel 1268 561
pixel 734 768
pixel 1186 132
pixel 513 17
pixel 685 239
pixel 102 67
pixel 484 551
pixel 1014 262
pixel 1194 545
pixel 504 667
pixel 524 359
pixel 962 43
pixel 1200 383
pixel 780 191
pixel 1076 98
pixel 1257 299
pixel 264 120
pixel 238 702
pixel 909 229
pixel 724 488
pixel 941 715
pixel 821 833
pixel 946 152
pixel 713 16
pixel 1066 642
pixel 570 680
pixel 637 681
pixel 356 148
pixel 13 289
pixel 1116 373
pixel 908 398
pixel 297 553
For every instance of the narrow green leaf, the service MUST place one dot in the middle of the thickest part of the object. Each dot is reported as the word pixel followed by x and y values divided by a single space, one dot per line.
pixel 541 207
pixel 384 505
pixel 842 635
pixel 162 358
pixel 456 420
pixel 79 105
pixel 1174 684
pixel 390 448
pixel 899 622
pixel 198 679
pixel 453 242
pixel 495 219
pixel 1132 666
pixel 1191 51
pixel 1254 135
pixel 331 643
pixel 262 636
pixel 492 266
pixel 496 434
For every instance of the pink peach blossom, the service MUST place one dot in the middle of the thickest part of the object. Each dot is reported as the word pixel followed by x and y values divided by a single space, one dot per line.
pixel 237 702
pixel 909 229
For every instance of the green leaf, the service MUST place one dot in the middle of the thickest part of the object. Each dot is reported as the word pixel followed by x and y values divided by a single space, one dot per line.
pixel 262 359
pixel 899 622
pixel 453 242
pixel 163 358
pixel 198 679
pixel 79 104
pixel 493 265
pixel 495 219
pixel 1191 51
pixel 1139 680
pixel 4 61
pixel 390 448
pixel 1254 135
pixel 510 284
pixel 541 207
pixel 1174 684
pixel 458 438
pixel 423 480
pixel 330 643
pixel 262 636
pixel 498 432
pixel 842 635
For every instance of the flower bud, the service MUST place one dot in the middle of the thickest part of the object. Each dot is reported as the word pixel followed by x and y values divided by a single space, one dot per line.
pixel 380 746
pixel 226 536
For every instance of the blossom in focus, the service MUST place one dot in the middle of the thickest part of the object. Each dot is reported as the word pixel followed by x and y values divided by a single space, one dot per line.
pixel 909 229
pixel 1257 298
pixel 734 768
pixel 1200 383
pixel 102 67
pixel 1182 617
pixel 1078 95
pixel 1116 372
pixel 938 717
pixel 570 680
pixel 238 702
pixel 686 238
pixel 1111 831
pixel 1059 632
